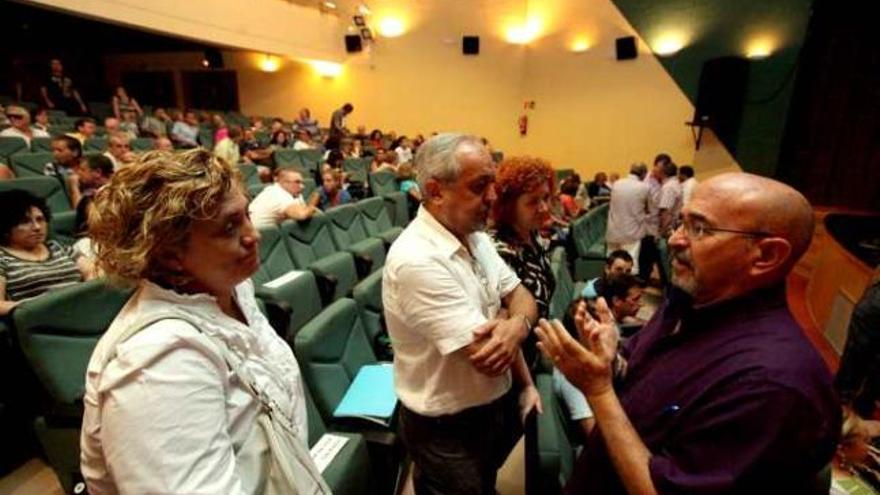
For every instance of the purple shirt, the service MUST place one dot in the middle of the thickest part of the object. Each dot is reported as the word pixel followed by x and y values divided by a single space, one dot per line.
pixel 730 398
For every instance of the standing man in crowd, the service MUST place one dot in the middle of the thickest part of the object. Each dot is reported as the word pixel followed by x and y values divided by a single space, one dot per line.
pixel 59 92
pixel 688 182
pixel 720 392
pixel 649 254
pixel 628 212
pixel 337 121
pixel 457 315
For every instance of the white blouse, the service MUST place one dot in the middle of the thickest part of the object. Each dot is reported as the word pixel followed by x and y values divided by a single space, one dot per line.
pixel 167 415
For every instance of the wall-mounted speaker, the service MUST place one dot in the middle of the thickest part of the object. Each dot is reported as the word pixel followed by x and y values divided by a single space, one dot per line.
pixel 470 45
pixel 353 43
pixel 214 58
pixel 626 48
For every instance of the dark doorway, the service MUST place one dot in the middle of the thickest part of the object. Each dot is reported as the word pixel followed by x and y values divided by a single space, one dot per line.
pixel 831 148
pixel 211 90
pixel 154 88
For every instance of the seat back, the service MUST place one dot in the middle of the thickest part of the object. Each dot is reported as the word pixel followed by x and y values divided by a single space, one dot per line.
pixel 48 188
pixel 39 144
pixel 397 208
pixel 142 144
pixel 383 182
pixel 309 186
pixel 588 230
pixel 308 240
pixel 346 225
pixel 58 331
pixel 562 293
pixel 374 215
pixel 287 158
pixel 275 259
pixel 331 349
pixel 10 145
pixel 30 164
pixel 356 169
pixel 95 144
pixel 368 296
pixel 255 189
pixel 250 174
pixel 310 161
pixel 563 173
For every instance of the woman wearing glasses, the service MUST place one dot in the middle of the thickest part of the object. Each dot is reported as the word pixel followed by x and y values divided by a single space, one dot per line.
pixel 29 264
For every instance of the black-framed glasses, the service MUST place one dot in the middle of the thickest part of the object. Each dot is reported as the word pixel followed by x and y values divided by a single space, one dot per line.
pixel 696 230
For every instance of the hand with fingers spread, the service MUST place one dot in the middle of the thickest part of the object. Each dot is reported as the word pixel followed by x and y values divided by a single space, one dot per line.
pixel 587 364
pixel 496 344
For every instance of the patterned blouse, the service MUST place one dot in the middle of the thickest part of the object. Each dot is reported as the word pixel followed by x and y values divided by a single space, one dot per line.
pixel 531 264
pixel 25 279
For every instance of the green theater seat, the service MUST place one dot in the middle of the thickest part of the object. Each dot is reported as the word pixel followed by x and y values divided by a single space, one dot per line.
pixel 588 235
pixel 374 214
pixel 368 296
pixel 30 164
pixel 350 234
pixel 383 182
pixel 311 247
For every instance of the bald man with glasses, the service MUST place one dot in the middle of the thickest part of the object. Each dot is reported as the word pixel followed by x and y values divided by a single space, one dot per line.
pixel 720 392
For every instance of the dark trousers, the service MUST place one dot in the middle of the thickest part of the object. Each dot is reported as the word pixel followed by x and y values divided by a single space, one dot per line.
pixel 649 255
pixel 459 454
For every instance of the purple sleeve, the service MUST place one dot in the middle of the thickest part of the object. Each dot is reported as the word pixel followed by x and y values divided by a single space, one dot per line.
pixel 743 425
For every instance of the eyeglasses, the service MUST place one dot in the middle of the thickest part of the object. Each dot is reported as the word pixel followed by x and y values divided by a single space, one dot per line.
pixel 696 230
pixel 28 222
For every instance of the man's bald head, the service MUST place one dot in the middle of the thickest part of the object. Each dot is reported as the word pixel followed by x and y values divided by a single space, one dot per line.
pixel 766 205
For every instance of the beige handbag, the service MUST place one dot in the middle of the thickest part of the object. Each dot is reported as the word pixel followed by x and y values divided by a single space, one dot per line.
pixel 272 460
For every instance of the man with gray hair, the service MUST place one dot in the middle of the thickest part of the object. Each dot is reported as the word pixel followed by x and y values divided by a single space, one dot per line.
pixel 456 315
pixel 119 150
pixel 628 212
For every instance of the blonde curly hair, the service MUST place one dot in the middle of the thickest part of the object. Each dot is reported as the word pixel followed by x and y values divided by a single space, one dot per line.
pixel 149 206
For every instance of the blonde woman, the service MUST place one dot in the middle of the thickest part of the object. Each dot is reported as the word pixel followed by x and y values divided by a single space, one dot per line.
pixel 174 407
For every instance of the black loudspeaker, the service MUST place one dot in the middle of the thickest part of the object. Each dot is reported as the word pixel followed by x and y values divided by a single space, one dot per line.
pixel 353 43
pixel 626 48
pixel 721 95
pixel 214 58
pixel 470 45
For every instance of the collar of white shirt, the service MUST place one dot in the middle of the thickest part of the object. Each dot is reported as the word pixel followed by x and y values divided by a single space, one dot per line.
pixel 432 229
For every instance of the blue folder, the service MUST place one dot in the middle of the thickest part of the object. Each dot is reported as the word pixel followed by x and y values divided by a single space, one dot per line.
pixel 371 394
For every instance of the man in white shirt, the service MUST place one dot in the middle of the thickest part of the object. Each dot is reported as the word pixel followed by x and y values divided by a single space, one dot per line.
pixel 281 200
pixel 688 182
pixel 456 315
pixel 649 255
pixel 20 119
pixel 119 150
pixel 628 212
pixel 186 132
pixel 670 200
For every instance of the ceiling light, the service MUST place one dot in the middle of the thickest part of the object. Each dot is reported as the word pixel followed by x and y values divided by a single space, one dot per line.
pixel 327 69
pixel 523 34
pixel 579 45
pixel 391 27
pixel 330 5
pixel 669 43
pixel 759 48
pixel 270 63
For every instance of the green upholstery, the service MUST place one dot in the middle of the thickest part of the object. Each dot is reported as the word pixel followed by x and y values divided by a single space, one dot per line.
pixel 309 186
pixel 377 221
pixel 556 454
pixel 497 156
pixel 275 259
pixel 206 138
pixel 564 173
pixel 255 189
pixel 48 188
pixel 331 349
pixel 96 144
pixel 286 158
pixel 142 144
pixel 357 169
pixel 11 145
pixel 562 294
pixel 63 226
pixel 397 208
pixel 250 174
pixel 29 164
pixel 350 235
pixel 383 182
pixel 588 235
pixel 41 144
pixel 263 137
pixel 311 246
pixel 368 296
pixel 310 161
pixel 57 333
pixel 350 472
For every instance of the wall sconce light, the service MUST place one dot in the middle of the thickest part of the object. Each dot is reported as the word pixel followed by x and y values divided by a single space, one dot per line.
pixel 270 63
pixel 523 34
pixel 327 69
pixel 669 44
pixel 760 48
pixel 391 27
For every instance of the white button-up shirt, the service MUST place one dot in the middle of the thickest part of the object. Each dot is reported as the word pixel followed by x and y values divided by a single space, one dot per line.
pixel 670 198
pixel 435 295
pixel 627 211
pixel 166 415
pixel 270 206
pixel 687 189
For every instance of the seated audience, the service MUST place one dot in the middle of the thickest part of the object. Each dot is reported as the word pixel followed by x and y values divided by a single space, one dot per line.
pixel 523 188
pixel 277 125
pixel 66 156
pixel 84 128
pixel 256 123
pixel 280 140
pixel 227 147
pixel 82 248
pixel 384 160
pixel 221 128
pixel 598 190
pixel 305 122
pixel 59 92
pixel 124 105
pixel 119 150
pixel 375 140
pixel 185 133
pixel 406 179
pixel 303 141
pixel 721 392
pixel 567 192
pixel 618 262
pixel 281 200
pixel 156 125
pixel 41 121
pixel 163 144
pixel 331 192
pixel 688 182
pixel 91 174
pixel 165 408
pixel 251 149
pixel 404 150
pixel 20 119
pixel 129 125
pixel 29 264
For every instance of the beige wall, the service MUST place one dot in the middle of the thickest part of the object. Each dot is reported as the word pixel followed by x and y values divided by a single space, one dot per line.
pixel 591 112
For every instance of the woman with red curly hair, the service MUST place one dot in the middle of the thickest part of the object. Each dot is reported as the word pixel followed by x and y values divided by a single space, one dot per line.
pixel 524 187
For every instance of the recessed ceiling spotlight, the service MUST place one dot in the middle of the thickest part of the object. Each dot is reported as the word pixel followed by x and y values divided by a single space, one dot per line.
pixel 330 5
pixel 363 9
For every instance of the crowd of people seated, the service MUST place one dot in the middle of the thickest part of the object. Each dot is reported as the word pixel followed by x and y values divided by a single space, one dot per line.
pixel 718 392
